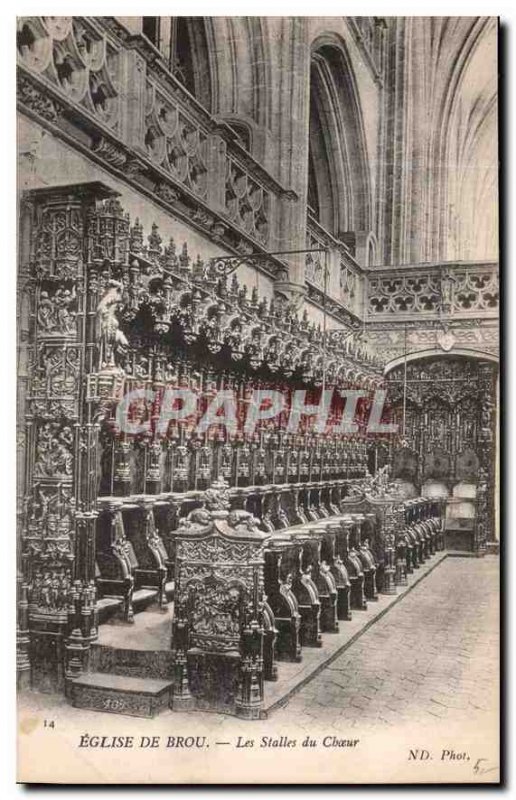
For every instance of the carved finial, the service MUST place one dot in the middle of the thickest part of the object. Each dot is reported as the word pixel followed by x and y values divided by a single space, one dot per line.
pixel 184 258
pixel 169 258
pixel 154 240
pixel 107 330
pixel 234 284
pixel 198 269
pixel 113 207
pixel 222 287
pixel 262 308
pixel 136 237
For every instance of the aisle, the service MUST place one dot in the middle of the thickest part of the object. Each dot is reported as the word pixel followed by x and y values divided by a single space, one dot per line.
pixel 433 655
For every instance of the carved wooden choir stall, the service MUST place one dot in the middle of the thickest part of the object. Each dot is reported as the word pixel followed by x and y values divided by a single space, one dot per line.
pixel 266 543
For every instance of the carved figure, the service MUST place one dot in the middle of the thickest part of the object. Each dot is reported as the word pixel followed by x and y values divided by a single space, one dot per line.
pixel 45 312
pixel 243 521
pixel 217 496
pixel 447 282
pixel 107 329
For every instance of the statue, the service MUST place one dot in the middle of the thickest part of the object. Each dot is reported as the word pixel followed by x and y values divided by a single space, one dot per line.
pixel 381 478
pixel 45 312
pixel 107 329
pixel 243 521
pixel 447 281
pixel 199 517
pixel 217 496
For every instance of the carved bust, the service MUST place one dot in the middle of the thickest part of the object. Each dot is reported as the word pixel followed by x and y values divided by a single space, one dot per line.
pixel 217 496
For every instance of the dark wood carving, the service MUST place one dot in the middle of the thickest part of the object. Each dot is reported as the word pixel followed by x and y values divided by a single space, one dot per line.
pixel 219 629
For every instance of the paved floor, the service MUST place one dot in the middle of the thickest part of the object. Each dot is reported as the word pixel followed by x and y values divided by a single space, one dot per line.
pixel 425 675
pixel 433 655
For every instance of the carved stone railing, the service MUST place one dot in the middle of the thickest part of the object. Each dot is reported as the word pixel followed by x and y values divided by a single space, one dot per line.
pixel 426 291
pixel 335 272
pixel 78 61
pixel 247 202
pixel 315 263
pixel 107 92
pixel 197 152
pixel 351 284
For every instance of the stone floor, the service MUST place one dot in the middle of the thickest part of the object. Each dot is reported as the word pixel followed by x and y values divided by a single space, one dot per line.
pixel 433 655
pixel 423 675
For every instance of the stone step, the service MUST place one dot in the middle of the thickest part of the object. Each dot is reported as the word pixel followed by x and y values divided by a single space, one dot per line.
pixel 120 694
pixel 135 662
pixel 141 649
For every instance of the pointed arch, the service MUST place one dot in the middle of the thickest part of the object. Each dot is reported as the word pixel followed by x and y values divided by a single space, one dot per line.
pixel 193 65
pixel 418 355
pixel 339 182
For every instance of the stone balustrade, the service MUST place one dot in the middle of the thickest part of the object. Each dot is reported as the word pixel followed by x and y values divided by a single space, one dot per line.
pixel 108 91
pixel 450 290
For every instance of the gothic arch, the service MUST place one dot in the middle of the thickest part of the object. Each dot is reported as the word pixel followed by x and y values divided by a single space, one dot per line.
pixel 242 64
pixel 339 180
pixel 370 250
pixel 417 355
pixel 244 129
pixel 194 58
pixel 223 49
pixel 242 54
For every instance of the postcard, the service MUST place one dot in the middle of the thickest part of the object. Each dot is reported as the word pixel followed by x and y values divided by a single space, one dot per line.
pixel 258 400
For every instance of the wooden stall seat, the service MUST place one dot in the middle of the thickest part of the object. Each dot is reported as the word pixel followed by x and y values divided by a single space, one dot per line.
pixel 332 559
pixel 310 538
pixel 132 563
pixel 113 566
pixel 321 554
pixel 147 556
pixel 270 669
pixel 282 600
pixel 306 594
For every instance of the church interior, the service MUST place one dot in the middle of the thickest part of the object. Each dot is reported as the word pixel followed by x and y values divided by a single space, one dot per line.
pixel 246 208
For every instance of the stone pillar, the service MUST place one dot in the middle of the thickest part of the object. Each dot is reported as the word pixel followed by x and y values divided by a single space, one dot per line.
pixel 289 125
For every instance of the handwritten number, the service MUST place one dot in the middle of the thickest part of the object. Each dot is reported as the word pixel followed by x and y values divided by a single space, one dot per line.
pixel 478 770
